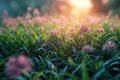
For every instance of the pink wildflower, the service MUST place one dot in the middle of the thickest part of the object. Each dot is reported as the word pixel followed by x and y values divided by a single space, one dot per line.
pixel 109 46
pixel 72 30
pixel 12 70
pixel 19 18
pixel 53 33
pixel 36 12
pixel 54 21
pixel 42 20
pixel 28 16
pixel 100 30
pixel 116 18
pixel 23 63
pixel 87 49
pixel 84 29
pixel 17 65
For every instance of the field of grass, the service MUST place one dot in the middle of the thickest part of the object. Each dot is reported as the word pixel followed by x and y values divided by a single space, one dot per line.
pixel 60 49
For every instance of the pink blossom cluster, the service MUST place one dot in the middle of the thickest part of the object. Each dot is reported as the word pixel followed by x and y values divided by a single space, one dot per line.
pixel 17 65
pixel 27 19
pixel 54 33
pixel 108 46
pixel 62 24
pixel 8 20
pixel 87 49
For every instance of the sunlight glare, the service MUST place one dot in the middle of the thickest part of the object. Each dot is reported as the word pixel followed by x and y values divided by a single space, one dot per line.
pixel 80 5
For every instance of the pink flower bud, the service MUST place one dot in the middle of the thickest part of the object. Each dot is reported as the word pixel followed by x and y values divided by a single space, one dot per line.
pixel 109 46
pixel 87 49
pixel 36 12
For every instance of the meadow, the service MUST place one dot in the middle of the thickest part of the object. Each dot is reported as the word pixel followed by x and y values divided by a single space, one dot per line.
pixel 35 47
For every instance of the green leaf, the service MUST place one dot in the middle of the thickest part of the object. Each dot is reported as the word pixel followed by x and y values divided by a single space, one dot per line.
pixel 70 60
pixel 37 76
pixel 85 75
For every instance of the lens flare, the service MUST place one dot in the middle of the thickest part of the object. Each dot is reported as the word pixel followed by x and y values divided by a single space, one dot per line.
pixel 80 6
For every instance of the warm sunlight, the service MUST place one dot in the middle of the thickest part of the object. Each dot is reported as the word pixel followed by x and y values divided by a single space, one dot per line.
pixel 80 6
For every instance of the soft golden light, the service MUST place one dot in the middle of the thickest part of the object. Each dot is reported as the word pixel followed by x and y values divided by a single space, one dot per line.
pixel 80 6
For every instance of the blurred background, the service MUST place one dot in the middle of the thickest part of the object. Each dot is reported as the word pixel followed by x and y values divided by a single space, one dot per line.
pixel 18 7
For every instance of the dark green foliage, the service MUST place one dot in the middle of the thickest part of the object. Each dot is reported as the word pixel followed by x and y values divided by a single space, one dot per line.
pixel 62 57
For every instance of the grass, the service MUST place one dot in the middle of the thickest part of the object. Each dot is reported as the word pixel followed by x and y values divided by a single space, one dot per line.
pixel 59 56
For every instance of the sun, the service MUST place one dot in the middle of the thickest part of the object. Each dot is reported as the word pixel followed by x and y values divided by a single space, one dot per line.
pixel 82 6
